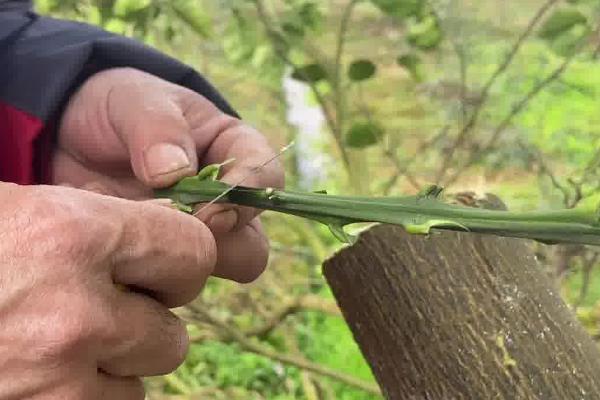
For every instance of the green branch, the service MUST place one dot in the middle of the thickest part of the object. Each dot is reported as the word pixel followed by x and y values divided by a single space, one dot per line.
pixel 417 214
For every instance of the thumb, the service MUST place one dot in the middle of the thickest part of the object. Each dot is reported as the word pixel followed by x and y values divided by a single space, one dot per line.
pixel 155 132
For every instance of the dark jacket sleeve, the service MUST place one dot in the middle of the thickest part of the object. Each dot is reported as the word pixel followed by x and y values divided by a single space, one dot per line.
pixel 42 61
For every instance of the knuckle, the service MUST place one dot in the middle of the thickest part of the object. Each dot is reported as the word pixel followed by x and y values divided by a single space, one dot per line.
pixel 66 336
pixel 70 236
pixel 253 271
pixel 200 260
pixel 184 250
pixel 178 344
pixel 57 230
pixel 70 232
pixel 198 252
pixel 257 265
pixel 227 123
pixel 182 345
pixel 205 248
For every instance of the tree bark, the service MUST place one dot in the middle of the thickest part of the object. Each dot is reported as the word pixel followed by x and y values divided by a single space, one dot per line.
pixel 461 316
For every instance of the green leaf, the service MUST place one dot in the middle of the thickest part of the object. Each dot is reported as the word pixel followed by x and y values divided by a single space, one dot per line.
pixel 425 34
pixel 400 8
pixel 125 8
pixel 340 234
pixel 193 16
pixel 293 29
pixel 184 207
pixel 412 63
pixel 46 6
pixel 363 134
pixel 310 73
pixel 430 191
pixel 361 70
pixel 425 228
pixel 170 33
pixel 560 22
pixel 115 25
pixel 262 55
pixel 211 171
pixel 309 14
pixel 300 18
pixel 569 42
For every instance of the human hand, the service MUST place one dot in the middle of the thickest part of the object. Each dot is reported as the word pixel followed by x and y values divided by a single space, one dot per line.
pixel 128 132
pixel 68 328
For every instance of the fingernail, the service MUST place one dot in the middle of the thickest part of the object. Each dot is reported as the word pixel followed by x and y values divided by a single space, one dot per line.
pixel 165 158
pixel 223 222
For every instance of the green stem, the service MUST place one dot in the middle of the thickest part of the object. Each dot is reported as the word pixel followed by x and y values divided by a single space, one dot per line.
pixel 417 214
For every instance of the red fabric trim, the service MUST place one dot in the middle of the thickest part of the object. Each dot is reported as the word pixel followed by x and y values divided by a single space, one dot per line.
pixel 24 151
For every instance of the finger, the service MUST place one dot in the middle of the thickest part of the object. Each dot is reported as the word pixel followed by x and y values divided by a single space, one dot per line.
pixel 85 382
pixel 220 137
pixel 147 339
pixel 250 150
pixel 116 388
pixel 242 255
pixel 67 168
pixel 152 126
pixel 165 253
pixel 220 218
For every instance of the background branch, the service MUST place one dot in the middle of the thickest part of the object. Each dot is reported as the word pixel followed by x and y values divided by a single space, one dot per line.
pixel 292 306
pixel 470 124
pixel 506 121
pixel 232 334
pixel 277 38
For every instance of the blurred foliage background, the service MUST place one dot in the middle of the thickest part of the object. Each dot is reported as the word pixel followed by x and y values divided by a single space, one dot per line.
pixel 381 97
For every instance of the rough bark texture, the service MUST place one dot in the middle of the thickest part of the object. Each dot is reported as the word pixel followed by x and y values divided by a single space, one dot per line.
pixel 461 316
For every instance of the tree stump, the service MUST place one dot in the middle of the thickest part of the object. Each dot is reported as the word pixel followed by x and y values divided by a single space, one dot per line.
pixel 461 316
